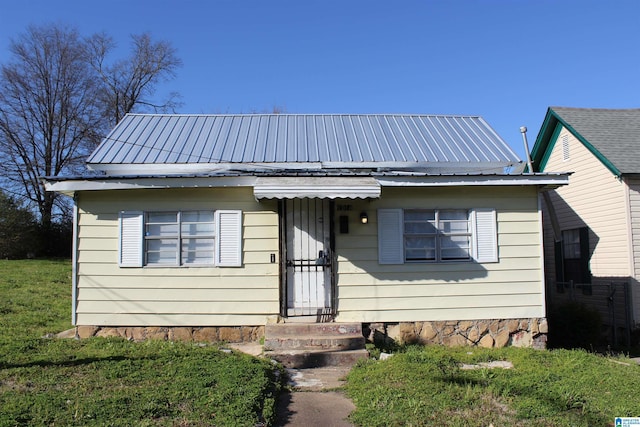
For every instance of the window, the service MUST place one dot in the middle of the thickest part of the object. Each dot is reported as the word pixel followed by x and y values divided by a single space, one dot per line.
pixel 181 238
pixel 420 235
pixel 575 256
pixel 431 235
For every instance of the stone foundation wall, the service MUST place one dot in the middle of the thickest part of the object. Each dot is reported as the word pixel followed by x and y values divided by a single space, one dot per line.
pixel 481 333
pixel 175 333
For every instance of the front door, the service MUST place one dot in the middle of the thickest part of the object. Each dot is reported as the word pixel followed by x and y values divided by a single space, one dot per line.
pixel 308 260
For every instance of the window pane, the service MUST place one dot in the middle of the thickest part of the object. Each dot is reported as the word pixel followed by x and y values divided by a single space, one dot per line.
pixel 419 227
pixel 197 229
pixel 455 247
pixel 161 224
pixel 162 217
pixel 162 230
pixel 420 255
pixel 162 251
pixel 162 244
pixel 571 244
pixel 419 215
pixel 420 248
pixel 197 251
pixel 450 226
pixel 197 216
pixel 454 221
pixel 455 253
pixel 457 214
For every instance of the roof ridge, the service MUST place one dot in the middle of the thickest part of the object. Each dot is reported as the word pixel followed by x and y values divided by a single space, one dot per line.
pixel 301 114
pixel 594 109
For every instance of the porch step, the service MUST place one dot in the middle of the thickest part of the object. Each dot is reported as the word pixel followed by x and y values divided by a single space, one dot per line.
pixel 305 345
pixel 301 359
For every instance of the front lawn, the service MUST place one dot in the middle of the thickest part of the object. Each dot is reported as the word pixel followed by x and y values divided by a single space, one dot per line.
pixel 113 382
pixel 427 387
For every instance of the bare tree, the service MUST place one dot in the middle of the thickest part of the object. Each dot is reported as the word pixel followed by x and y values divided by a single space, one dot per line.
pixel 131 82
pixel 49 117
pixel 59 95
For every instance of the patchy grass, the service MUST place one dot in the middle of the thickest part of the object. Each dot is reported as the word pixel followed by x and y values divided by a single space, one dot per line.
pixel 113 382
pixel 425 386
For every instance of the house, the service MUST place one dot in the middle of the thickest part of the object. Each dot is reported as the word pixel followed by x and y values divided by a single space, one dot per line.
pixel 592 225
pixel 412 225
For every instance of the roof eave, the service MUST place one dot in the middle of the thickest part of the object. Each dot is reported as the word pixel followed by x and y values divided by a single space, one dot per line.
pixel 73 185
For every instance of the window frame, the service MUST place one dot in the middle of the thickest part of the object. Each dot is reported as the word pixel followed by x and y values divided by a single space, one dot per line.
pixel 179 237
pixel 483 226
pixel 573 263
pixel 440 234
pixel 227 234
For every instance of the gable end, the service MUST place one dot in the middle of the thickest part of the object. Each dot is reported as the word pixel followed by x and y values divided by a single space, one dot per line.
pixel 548 136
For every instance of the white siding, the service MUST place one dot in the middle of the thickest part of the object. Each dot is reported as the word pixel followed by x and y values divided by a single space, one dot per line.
pixel 176 296
pixel 510 288
pixel 593 198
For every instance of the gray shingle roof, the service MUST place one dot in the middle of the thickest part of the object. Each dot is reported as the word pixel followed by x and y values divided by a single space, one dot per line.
pixel 332 140
pixel 613 133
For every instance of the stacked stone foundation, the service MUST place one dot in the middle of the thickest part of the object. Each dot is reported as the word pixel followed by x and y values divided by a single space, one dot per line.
pixel 175 333
pixel 481 333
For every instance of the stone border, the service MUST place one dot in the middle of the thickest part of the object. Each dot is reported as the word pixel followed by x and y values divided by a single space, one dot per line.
pixel 482 333
pixel 232 334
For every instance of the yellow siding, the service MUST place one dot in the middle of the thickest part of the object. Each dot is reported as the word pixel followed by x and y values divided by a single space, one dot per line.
pixel 196 296
pixel 594 197
pixel 366 290
pixel 510 288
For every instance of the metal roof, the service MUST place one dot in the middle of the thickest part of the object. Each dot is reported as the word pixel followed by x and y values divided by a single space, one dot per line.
pixel 301 140
pixel 613 135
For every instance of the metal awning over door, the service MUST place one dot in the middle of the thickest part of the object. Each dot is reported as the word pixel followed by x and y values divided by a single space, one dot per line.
pixel 322 187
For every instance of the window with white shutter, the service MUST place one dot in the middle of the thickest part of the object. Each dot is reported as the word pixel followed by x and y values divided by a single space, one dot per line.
pixel 181 238
pixel 421 235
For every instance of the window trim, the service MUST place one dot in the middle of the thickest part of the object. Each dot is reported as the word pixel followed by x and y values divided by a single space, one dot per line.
pixel 483 228
pixel 179 237
pixel 439 235
pixel 227 250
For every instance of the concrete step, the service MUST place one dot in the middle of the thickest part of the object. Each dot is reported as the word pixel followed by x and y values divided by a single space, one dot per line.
pixel 298 329
pixel 300 359
pixel 314 342
pixel 312 345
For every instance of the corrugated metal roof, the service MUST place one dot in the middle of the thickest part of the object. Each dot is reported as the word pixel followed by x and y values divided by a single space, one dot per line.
pixel 331 140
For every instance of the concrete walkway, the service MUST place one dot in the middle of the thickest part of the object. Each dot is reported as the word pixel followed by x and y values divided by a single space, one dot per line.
pixel 316 399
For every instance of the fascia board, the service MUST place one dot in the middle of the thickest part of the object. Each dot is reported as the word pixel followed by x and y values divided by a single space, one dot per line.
pixel 451 181
pixel 71 186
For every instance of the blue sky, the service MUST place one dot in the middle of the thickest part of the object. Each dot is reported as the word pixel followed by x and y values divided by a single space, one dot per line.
pixel 505 60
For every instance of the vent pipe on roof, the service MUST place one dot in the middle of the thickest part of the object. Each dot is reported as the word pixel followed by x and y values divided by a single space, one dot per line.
pixel 523 131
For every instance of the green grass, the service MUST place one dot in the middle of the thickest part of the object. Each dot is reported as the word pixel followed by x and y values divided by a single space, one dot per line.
pixel 425 386
pixel 113 382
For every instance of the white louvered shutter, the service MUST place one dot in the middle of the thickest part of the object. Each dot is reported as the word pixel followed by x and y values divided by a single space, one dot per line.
pixel 390 236
pixel 228 238
pixel 131 239
pixel 485 235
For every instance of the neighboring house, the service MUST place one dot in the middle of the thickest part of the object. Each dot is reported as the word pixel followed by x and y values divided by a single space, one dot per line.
pixel 592 225
pixel 411 224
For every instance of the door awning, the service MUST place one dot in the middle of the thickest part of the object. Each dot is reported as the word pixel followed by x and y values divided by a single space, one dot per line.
pixel 321 187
